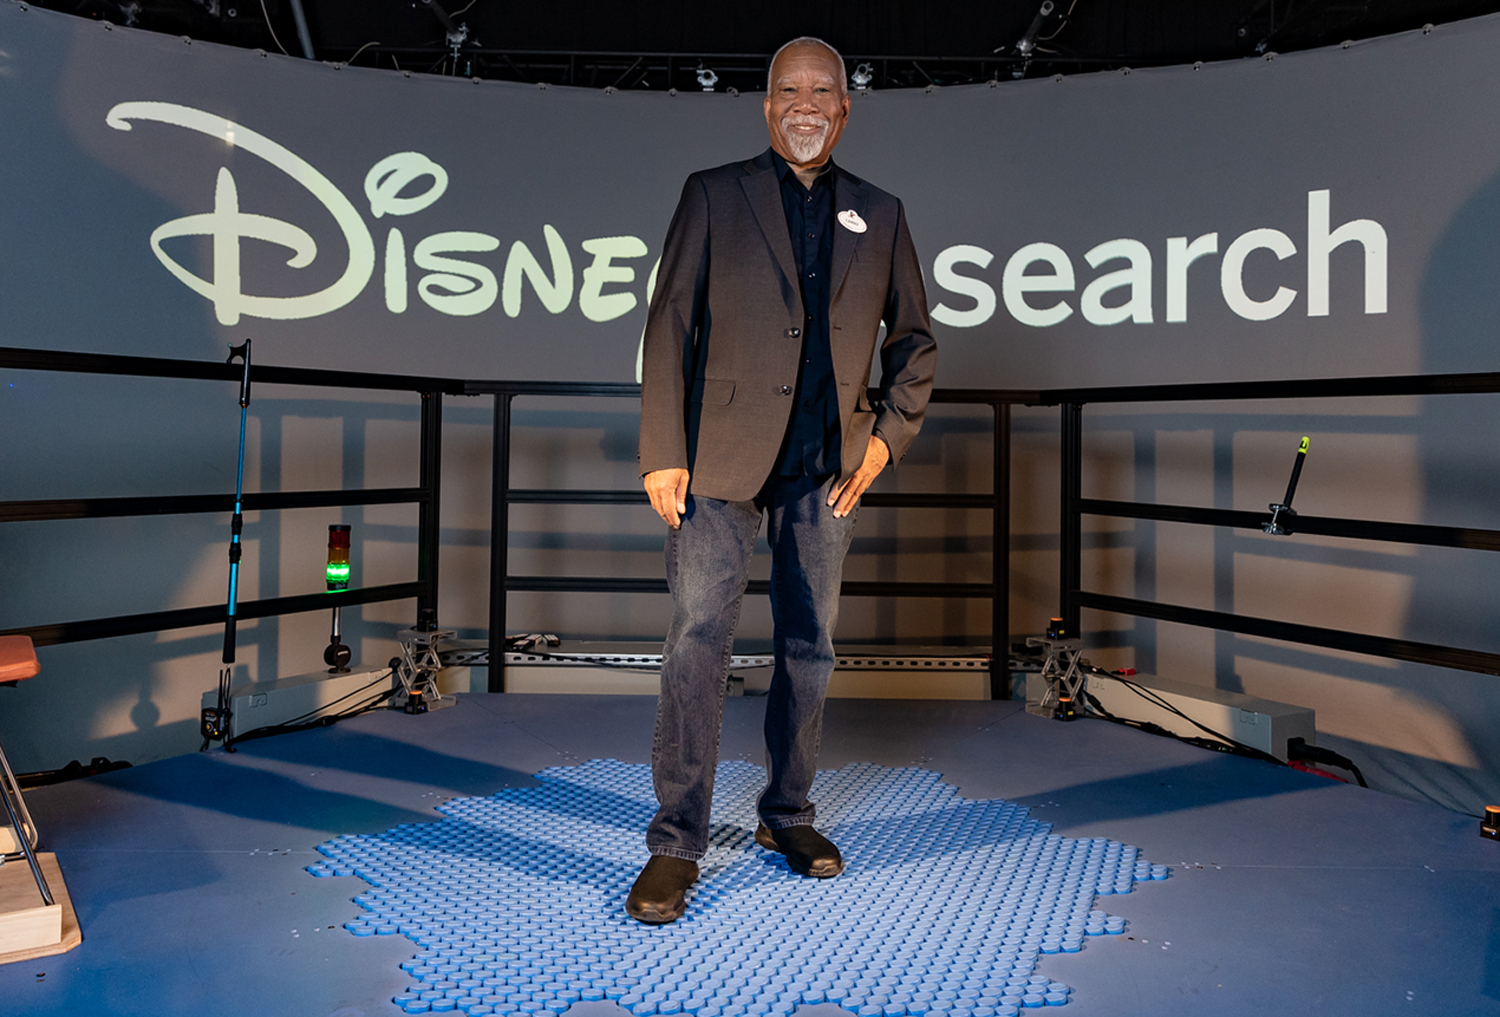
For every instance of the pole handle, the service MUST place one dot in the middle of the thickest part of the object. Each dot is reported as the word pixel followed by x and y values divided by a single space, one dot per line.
pixel 229 642
pixel 1291 487
pixel 242 351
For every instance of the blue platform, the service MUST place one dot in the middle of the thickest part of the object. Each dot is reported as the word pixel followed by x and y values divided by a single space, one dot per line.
pixel 944 907
pixel 498 839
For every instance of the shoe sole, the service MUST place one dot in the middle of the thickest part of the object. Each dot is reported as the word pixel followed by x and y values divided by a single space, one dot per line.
pixel 826 871
pixel 652 916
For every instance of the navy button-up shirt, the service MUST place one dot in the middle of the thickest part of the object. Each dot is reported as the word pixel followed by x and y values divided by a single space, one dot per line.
pixel 811 446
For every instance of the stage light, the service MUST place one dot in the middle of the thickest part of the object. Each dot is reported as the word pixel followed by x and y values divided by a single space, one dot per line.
pixel 338 556
pixel 862 76
pixel 1027 42
pixel 707 79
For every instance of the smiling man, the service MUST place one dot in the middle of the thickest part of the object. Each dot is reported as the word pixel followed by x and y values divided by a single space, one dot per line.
pixel 776 276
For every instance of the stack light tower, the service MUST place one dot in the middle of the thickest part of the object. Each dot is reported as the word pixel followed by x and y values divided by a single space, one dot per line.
pixel 337 655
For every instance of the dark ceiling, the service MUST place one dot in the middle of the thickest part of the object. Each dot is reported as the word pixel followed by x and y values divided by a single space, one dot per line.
pixel 660 45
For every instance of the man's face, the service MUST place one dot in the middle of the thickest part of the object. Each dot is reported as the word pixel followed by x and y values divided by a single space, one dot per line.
pixel 807 106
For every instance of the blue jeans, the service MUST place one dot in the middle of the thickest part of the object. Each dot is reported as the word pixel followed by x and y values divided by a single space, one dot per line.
pixel 708 565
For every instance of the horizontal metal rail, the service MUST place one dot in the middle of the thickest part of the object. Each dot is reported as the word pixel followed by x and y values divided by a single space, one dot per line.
pixel 1322 526
pixel 1295 388
pixel 188 617
pixel 208 370
pixel 105 508
pixel 619 389
pixel 895 499
pixel 1310 635
pixel 646 584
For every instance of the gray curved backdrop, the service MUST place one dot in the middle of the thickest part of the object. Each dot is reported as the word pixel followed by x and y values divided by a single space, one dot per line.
pixel 1329 213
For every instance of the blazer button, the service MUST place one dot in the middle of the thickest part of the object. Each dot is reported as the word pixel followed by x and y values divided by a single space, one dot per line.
pixel 794 333
pixel 786 390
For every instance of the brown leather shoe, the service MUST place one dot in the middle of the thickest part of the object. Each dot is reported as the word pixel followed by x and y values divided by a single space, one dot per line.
pixel 659 895
pixel 807 851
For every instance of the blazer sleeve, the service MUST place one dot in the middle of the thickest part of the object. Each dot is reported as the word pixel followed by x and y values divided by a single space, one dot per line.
pixel 908 356
pixel 673 323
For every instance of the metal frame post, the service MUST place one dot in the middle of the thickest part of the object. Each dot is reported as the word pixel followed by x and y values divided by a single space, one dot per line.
pixel 1070 524
pixel 429 518
pixel 20 821
pixel 1000 559
pixel 499 538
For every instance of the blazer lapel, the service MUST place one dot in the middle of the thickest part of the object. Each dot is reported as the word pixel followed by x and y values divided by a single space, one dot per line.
pixel 848 193
pixel 763 191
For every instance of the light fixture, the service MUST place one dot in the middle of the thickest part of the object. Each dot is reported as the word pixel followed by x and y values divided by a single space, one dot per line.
pixel 336 655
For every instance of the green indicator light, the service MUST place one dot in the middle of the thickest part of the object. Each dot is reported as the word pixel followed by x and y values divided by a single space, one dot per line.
pixel 338 556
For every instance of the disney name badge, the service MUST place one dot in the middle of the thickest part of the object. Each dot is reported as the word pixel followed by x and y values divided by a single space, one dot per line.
pixel 850 220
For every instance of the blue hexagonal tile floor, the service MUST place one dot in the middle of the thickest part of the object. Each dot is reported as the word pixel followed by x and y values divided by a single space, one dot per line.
pixel 516 901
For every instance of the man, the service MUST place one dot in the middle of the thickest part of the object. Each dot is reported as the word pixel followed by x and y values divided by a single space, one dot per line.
pixel 774 281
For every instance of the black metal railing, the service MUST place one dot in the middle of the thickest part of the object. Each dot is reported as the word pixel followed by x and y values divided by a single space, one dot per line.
pixel 1074 506
pixel 425 495
pixel 502 583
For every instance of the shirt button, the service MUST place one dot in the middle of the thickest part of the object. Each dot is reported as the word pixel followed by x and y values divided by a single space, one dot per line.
pixel 786 390
pixel 812 275
pixel 808 360
pixel 812 236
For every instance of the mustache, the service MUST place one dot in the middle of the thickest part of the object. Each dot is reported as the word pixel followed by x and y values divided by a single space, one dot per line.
pixel 805 121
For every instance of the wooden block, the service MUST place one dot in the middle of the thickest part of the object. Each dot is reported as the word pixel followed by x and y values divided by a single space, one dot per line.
pixel 29 928
pixel 40 926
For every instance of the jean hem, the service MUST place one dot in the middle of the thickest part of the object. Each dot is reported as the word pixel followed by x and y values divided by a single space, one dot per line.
pixel 786 824
pixel 685 855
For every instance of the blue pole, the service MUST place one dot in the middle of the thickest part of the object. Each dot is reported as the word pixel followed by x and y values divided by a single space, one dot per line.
pixel 215 724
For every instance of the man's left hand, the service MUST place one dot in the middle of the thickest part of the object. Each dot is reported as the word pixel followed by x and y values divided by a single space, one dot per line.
pixel 845 495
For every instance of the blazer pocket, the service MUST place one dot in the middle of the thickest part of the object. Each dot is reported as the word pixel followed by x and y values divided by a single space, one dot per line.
pixel 713 391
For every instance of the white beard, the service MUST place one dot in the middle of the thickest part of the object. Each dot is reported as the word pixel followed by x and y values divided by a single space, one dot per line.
pixel 804 147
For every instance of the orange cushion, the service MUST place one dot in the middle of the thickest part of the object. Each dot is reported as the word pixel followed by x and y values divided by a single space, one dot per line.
pixel 17 658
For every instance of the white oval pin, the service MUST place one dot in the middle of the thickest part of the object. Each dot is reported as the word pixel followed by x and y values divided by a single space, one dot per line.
pixel 850 220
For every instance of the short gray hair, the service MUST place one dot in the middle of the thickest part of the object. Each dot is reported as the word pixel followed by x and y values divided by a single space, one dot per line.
pixel 803 40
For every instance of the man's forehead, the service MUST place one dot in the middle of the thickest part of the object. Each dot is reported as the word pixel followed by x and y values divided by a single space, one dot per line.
pixel 806 60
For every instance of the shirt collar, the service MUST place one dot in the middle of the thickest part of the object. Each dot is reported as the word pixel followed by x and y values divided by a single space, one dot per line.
pixel 783 168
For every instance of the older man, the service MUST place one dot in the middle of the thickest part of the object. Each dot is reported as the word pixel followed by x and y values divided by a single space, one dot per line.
pixel 776 276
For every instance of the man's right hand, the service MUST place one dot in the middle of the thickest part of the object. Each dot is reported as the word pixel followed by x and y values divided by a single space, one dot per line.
pixel 668 492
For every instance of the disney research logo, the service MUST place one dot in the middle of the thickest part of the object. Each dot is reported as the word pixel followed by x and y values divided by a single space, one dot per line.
pixel 452 286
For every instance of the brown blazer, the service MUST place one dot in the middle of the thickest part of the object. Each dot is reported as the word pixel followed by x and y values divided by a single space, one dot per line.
pixel 723 336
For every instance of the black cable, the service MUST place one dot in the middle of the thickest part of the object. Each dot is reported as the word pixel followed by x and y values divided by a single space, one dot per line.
pixel 329 721
pixel 301 723
pixel 1297 748
pixel 1237 747
pixel 1099 713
